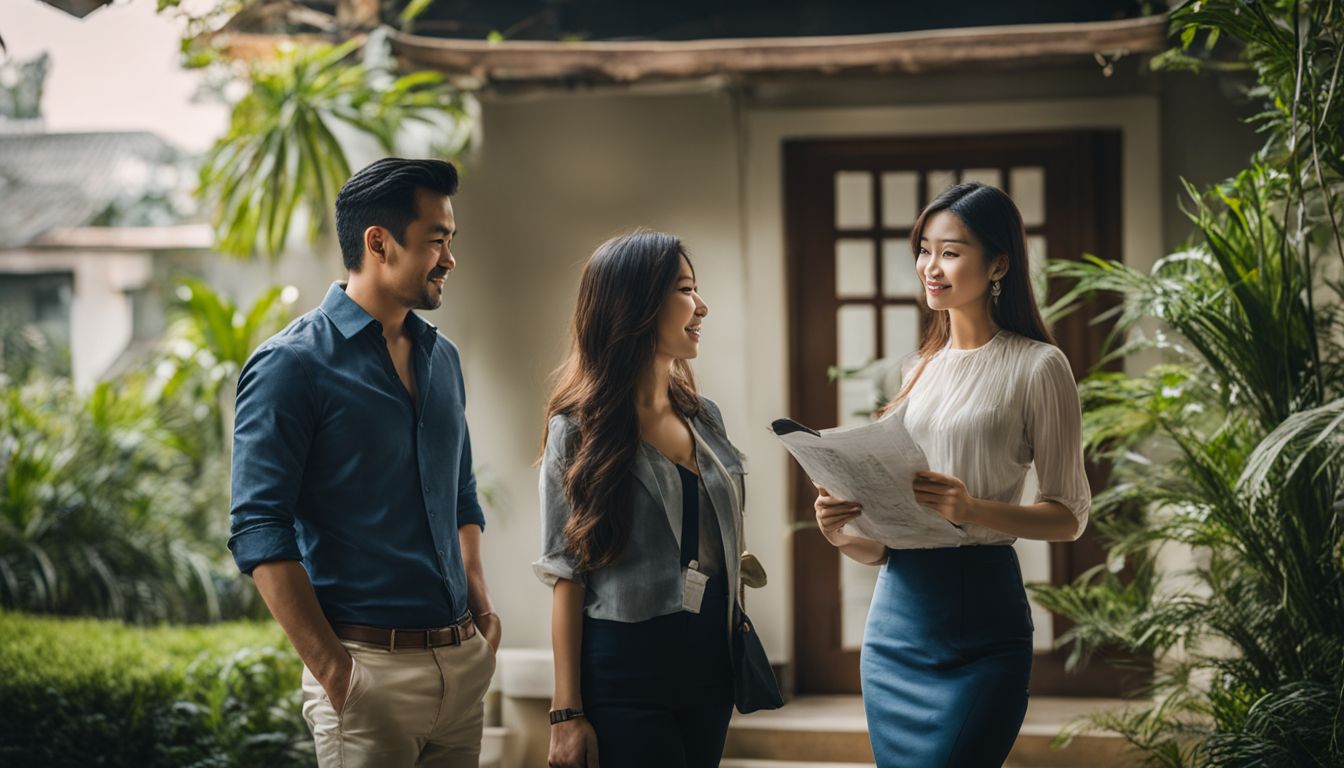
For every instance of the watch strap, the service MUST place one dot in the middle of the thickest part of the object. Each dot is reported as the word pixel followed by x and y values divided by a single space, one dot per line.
pixel 561 715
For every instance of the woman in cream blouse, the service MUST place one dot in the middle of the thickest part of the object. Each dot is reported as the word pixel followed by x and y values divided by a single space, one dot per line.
pixel 947 649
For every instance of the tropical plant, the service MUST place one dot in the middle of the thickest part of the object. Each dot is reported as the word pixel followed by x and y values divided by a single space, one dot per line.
pixel 86 523
pixel 207 345
pixel 112 503
pixel 1231 450
pixel 26 351
pixel 281 156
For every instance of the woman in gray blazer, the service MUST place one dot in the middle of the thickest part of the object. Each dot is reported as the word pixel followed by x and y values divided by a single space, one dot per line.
pixel 641 496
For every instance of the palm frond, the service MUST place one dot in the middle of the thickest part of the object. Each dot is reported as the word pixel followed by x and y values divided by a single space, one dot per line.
pixel 281 160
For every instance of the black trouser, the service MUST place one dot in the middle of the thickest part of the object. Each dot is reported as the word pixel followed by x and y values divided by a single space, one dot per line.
pixel 660 692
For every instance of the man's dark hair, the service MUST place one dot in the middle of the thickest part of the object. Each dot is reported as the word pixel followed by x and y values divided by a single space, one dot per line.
pixel 382 194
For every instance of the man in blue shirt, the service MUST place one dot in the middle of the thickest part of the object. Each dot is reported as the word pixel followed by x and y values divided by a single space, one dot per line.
pixel 354 504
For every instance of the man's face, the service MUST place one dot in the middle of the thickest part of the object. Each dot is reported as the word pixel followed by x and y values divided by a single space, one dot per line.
pixel 417 267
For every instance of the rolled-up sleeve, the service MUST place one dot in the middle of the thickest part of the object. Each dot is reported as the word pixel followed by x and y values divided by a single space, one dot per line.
pixel 273 428
pixel 469 510
pixel 1055 433
pixel 556 561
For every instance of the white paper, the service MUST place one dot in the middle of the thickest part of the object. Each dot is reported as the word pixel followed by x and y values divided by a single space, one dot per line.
pixel 875 465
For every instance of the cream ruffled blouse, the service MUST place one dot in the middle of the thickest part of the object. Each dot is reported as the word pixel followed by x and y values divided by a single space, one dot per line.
pixel 984 415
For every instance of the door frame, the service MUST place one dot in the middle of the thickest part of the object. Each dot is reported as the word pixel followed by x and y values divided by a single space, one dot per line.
pixel 763 391
pixel 1081 169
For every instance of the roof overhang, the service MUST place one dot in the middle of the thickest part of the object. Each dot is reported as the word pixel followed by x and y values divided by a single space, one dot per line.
pixel 178 237
pixel 963 49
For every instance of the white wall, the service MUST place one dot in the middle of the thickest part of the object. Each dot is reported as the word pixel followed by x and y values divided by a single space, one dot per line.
pixel 556 175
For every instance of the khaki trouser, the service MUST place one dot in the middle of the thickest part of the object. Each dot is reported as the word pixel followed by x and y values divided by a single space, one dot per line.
pixel 404 708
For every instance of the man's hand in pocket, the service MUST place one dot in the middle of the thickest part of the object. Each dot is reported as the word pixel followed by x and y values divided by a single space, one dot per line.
pixel 337 682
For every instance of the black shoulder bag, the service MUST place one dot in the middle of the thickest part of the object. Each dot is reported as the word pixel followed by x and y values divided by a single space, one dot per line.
pixel 754 683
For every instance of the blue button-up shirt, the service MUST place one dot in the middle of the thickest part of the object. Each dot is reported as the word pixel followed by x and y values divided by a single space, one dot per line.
pixel 335 465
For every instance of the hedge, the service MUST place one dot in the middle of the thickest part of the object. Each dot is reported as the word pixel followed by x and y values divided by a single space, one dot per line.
pixel 80 692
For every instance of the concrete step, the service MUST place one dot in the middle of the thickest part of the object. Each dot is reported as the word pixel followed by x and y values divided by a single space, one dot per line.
pixel 1047 716
pixel 828 730
pixel 809 729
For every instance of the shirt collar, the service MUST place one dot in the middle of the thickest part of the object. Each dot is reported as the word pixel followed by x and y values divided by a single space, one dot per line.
pixel 420 328
pixel 350 318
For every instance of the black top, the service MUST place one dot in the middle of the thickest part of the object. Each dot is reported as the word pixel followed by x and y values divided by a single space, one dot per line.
pixel 700 536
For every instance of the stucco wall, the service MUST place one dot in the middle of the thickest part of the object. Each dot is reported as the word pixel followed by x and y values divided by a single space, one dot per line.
pixel 554 177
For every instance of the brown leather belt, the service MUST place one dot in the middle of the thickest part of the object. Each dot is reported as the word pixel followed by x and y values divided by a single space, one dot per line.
pixel 403 639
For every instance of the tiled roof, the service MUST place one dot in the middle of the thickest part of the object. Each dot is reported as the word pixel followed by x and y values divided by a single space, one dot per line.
pixel 56 180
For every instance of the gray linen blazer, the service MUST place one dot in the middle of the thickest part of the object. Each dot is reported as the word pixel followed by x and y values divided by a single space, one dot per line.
pixel 645 580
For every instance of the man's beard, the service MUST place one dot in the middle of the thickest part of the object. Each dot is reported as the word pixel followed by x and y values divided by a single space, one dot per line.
pixel 429 298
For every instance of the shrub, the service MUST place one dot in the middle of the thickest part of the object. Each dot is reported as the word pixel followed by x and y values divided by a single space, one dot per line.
pixel 114 503
pixel 1233 447
pixel 87 692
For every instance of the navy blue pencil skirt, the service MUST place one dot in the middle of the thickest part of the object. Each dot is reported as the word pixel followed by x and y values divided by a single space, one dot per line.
pixel 946 657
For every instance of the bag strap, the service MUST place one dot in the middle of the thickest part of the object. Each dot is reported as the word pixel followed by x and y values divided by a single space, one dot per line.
pixel 742 543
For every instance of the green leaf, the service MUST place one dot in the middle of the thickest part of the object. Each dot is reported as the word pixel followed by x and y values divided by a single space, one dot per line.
pixel 413 10
pixel 279 159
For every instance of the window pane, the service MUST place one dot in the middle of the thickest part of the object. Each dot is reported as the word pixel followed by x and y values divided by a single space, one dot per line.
pixel 988 176
pixel 854 268
pixel 1036 256
pixel 856 327
pixel 853 199
pixel 1029 194
pixel 900 199
pixel 939 181
pixel 900 331
pixel 857 343
pixel 855 402
pixel 899 279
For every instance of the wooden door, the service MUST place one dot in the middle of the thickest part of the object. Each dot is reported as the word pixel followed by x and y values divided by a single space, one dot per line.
pixel 854 297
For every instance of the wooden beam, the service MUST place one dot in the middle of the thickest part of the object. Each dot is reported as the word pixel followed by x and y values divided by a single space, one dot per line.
pixel 902 52
pixel 256 46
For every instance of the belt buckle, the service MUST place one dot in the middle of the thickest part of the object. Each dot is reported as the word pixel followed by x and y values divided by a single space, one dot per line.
pixel 457 634
pixel 392 642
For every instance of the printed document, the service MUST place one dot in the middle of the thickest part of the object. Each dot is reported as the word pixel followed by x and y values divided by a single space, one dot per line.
pixel 875 465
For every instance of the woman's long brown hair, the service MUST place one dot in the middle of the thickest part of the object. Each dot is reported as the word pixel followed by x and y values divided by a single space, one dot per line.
pixel 991 215
pixel 613 340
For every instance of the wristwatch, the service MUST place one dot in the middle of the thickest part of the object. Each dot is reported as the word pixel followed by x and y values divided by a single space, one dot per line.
pixel 561 715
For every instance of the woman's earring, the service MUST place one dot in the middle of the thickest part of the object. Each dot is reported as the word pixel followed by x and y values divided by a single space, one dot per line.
pixel 994 290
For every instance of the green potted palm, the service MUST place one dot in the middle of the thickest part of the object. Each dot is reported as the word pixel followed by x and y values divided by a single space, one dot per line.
pixel 1228 454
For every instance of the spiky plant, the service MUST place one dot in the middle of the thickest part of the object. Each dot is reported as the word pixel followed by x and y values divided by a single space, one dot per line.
pixel 113 503
pixel 282 160
pixel 1232 449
